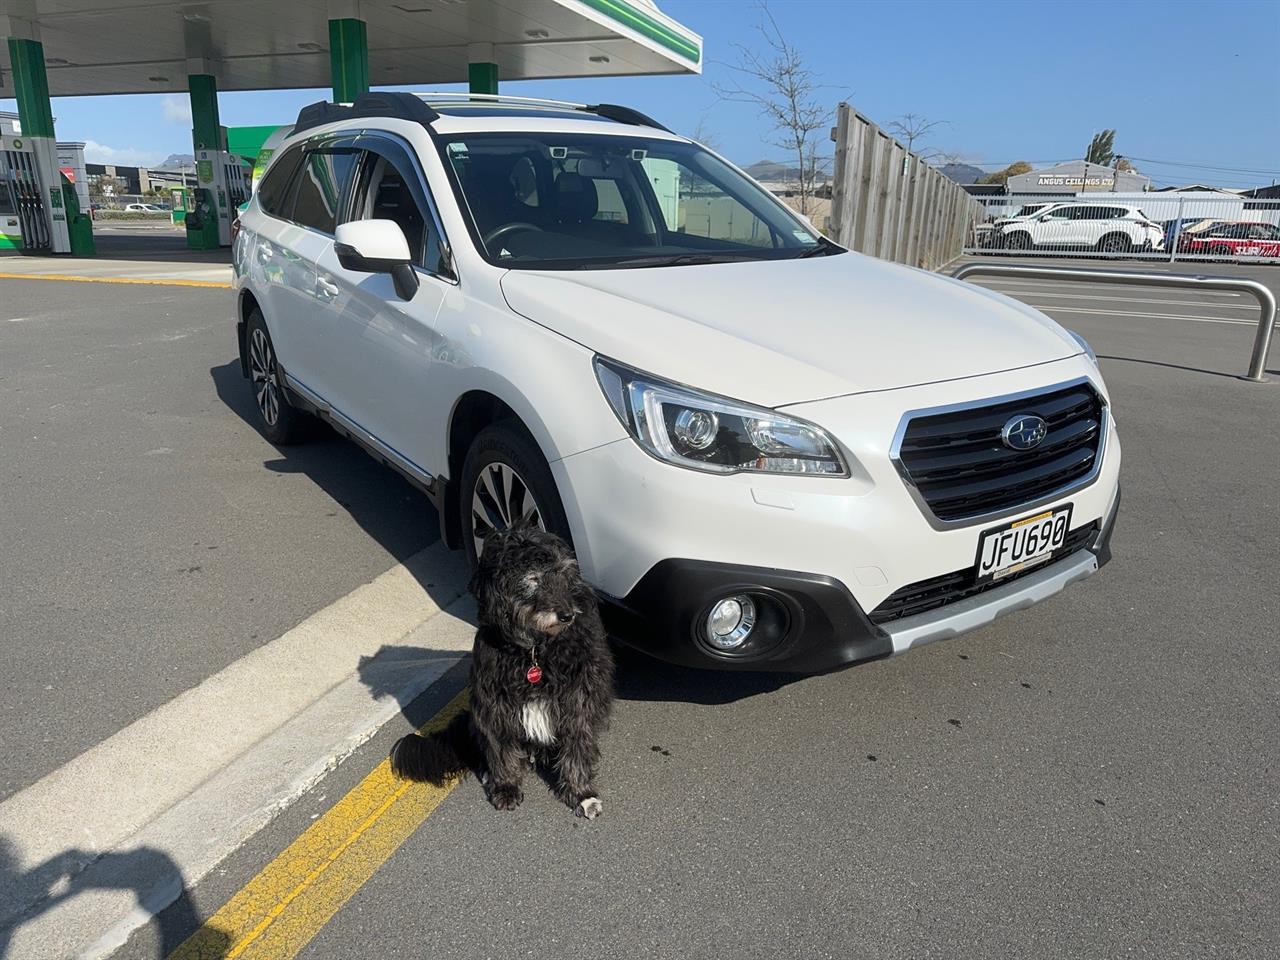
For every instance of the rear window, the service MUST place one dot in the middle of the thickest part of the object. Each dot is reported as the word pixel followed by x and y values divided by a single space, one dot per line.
pixel 274 187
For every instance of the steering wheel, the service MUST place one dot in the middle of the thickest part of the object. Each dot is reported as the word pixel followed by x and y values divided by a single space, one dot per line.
pixel 498 232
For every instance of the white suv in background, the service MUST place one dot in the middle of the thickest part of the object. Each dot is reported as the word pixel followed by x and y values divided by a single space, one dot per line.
pixel 1100 227
pixel 768 452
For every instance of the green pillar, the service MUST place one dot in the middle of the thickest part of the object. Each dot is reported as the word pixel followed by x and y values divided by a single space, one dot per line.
pixel 348 59
pixel 32 86
pixel 206 134
pixel 483 77
pixel 205 123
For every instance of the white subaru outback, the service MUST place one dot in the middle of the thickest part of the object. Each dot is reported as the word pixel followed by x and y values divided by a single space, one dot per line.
pixel 768 452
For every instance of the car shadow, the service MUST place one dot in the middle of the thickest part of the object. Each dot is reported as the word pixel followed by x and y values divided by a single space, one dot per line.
pixel 388 508
pixel 151 874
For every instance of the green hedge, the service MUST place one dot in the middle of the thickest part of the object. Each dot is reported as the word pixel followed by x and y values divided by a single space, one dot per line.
pixel 130 215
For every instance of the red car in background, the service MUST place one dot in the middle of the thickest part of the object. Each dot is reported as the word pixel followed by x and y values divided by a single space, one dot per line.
pixel 1233 240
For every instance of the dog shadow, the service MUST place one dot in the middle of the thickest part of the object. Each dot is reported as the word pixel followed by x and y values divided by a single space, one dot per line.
pixel 394 513
pixel 388 673
pixel 156 881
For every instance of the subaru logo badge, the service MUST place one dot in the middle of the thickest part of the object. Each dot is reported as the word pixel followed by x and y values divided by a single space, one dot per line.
pixel 1024 432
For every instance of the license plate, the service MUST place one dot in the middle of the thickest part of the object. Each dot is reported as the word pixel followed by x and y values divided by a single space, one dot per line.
pixel 1013 547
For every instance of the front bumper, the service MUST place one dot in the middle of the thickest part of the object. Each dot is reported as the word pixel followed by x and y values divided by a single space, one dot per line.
pixel 824 626
pixel 855 541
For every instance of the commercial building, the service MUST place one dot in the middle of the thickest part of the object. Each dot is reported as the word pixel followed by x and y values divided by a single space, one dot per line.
pixel 1078 176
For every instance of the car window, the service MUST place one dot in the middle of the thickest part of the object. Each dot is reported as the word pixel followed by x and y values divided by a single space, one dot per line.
pixel 1061 213
pixel 1264 231
pixel 274 187
pixel 321 184
pixel 390 188
pixel 616 201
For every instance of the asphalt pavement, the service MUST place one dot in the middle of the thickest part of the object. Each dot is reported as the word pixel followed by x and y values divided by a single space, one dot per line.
pixel 1093 777
pixel 151 535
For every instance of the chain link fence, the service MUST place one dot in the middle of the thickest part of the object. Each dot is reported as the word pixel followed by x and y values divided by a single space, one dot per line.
pixel 1149 226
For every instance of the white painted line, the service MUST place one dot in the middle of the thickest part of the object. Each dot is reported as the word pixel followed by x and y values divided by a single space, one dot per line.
pixel 197 776
pixel 1053 308
pixel 1251 304
pixel 1037 284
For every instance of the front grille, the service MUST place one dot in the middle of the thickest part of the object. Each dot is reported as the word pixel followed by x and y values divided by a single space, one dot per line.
pixel 950 587
pixel 962 469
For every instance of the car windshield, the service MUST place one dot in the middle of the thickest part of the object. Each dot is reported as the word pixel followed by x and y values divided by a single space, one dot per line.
pixel 580 201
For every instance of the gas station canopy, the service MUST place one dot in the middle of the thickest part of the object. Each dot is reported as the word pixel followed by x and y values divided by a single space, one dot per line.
pixel 145 46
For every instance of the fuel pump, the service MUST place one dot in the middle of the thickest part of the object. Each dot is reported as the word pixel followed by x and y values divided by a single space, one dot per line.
pixel 221 186
pixel 33 214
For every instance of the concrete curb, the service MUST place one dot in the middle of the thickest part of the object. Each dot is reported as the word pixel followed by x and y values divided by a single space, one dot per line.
pixel 111 838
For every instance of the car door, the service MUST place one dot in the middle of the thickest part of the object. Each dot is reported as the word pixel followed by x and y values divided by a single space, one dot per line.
pixel 299 312
pixel 1054 227
pixel 388 346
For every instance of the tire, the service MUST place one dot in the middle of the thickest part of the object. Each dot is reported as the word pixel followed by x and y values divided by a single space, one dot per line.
pixel 1115 243
pixel 502 471
pixel 1018 241
pixel 279 422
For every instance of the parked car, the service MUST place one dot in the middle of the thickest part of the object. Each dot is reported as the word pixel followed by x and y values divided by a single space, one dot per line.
pixel 1233 240
pixel 1100 227
pixel 989 235
pixel 768 452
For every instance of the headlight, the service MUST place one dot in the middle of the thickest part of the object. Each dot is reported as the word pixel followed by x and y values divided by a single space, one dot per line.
pixel 1084 345
pixel 706 432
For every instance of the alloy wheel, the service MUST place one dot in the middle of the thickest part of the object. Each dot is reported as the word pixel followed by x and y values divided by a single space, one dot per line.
pixel 262 372
pixel 501 500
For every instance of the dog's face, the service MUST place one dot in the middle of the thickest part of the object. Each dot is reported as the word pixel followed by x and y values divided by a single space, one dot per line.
pixel 527 585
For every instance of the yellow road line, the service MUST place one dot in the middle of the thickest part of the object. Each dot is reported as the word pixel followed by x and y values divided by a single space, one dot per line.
pixel 277 913
pixel 78 279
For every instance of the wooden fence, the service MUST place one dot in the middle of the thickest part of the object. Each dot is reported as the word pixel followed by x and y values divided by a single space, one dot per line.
pixel 891 204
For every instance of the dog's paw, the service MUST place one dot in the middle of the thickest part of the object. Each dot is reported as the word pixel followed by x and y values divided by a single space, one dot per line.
pixel 505 796
pixel 590 808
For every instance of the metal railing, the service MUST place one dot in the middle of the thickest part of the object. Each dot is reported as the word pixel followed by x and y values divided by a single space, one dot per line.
pixel 1266 300
pixel 1162 226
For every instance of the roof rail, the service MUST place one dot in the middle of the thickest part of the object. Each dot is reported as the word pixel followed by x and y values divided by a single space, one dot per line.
pixel 399 106
pixel 609 111
pixel 612 111
pixel 455 96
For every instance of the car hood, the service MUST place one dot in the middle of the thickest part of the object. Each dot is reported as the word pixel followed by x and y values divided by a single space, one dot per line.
pixel 788 331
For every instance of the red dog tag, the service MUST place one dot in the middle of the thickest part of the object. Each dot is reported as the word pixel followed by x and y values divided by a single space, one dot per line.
pixel 534 674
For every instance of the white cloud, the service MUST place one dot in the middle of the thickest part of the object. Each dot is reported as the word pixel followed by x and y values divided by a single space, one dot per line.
pixel 95 152
pixel 176 109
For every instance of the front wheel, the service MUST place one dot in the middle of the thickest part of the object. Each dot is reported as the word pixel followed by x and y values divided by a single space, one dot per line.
pixel 506 483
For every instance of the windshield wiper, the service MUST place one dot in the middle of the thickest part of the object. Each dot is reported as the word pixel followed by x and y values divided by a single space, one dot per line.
pixel 667 260
pixel 824 248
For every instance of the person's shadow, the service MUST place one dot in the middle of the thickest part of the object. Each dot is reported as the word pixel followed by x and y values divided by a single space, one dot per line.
pixel 157 883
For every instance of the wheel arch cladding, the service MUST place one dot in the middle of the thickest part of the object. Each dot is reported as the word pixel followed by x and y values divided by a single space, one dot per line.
pixel 248 303
pixel 474 410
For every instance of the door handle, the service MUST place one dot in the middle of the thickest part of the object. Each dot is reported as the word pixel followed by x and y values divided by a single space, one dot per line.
pixel 326 289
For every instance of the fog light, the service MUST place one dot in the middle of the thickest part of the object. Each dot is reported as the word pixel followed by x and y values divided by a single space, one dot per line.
pixel 730 622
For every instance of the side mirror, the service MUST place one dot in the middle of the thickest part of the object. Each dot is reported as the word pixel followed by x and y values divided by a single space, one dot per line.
pixel 377 246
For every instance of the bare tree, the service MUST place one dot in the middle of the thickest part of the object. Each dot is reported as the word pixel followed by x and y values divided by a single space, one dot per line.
pixel 776 80
pixel 911 127
pixel 704 135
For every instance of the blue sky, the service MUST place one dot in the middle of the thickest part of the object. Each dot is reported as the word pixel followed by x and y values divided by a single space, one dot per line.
pixel 1183 82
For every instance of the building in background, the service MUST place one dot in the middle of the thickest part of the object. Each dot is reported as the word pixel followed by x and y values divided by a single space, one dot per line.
pixel 1076 177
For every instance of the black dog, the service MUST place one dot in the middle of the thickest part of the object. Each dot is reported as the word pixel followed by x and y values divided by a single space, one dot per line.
pixel 541 679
